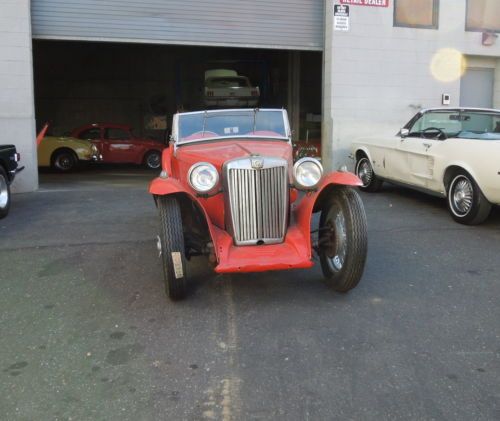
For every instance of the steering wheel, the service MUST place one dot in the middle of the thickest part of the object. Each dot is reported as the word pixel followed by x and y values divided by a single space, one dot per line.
pixel 439 134
pixel 206 133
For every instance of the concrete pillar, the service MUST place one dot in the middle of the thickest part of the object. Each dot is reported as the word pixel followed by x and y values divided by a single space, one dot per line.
pixel 17 110
pixel 327 111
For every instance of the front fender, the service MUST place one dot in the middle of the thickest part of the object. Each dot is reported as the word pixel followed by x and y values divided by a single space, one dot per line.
pixel 171 186
pixel 312 201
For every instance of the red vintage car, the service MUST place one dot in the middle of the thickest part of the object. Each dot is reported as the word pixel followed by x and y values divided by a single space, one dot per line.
pixel 118 144
pixel 229 189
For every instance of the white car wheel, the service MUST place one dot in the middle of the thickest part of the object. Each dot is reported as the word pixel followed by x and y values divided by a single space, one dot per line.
pixel 364 171
pixel 466 202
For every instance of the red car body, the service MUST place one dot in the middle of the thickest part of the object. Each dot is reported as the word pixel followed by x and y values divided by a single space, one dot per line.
pixel 295 251
pixel 118 144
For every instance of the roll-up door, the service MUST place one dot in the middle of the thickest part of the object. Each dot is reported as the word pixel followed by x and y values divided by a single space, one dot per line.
pixel 281 24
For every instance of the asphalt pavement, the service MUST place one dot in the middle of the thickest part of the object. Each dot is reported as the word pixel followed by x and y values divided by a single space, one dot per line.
pixel 87 333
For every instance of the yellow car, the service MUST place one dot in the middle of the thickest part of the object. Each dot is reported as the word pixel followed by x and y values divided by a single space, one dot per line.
pixel 65 153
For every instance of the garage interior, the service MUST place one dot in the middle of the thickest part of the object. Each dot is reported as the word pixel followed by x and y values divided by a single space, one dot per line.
pixel 143 85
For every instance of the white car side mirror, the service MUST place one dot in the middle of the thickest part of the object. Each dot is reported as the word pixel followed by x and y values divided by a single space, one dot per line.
pixel 404 133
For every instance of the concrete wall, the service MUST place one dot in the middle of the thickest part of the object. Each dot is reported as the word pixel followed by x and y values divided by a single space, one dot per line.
pixel 496 91
pixel 377 75
pixel 17 120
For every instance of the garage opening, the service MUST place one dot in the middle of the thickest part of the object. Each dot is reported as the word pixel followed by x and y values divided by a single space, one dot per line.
pixel 78 84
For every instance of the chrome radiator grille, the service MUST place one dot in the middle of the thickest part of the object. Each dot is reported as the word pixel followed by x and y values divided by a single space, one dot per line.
pixel 257 198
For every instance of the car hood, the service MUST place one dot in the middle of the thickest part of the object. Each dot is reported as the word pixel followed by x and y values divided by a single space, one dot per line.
pixel 219 152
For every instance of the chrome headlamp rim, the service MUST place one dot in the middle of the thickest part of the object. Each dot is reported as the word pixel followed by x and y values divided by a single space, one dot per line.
pixel 194 167
pixel 298 164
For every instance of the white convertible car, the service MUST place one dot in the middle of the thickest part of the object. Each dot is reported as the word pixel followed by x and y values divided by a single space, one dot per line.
pixel 454 153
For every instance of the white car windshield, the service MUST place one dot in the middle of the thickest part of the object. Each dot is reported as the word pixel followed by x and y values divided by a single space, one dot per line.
pixel 244 123
pixel 227 82
pixel 481 125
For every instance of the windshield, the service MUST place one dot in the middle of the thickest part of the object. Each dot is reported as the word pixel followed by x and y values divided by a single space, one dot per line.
pixel 231 124
pixel 227 82
pixel 481 125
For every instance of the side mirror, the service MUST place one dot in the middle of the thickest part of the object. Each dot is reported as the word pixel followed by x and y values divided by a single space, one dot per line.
pixel 404 133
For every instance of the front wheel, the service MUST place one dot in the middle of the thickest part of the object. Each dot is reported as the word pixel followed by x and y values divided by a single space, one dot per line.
pixel 364 170
pixel 152 160
pixel 466 201
pixel 171 247
pixel 4 194
pixel 64 161
pixel 343 239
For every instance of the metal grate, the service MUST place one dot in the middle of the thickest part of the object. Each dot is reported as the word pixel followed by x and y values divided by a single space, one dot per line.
pixel 258 201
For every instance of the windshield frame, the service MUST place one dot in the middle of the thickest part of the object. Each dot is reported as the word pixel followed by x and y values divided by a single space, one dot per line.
pixel 178 142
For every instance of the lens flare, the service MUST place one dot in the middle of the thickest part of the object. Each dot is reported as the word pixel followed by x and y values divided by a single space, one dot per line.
pixel 448 65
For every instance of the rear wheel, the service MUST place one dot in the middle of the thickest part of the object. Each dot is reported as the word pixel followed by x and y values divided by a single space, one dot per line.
pixel 152 160
pixel 64 160
pixel 343 239
pixel 364 170
pixel 466 201
pixel 4 194
pixel 172 248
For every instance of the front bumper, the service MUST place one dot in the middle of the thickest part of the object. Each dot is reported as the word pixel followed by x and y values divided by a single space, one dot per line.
pixel 12 173
pixel 96 158
pixel 293 253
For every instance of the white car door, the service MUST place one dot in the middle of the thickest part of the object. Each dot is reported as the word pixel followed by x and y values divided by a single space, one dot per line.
pixel 412 162
pixel 414 157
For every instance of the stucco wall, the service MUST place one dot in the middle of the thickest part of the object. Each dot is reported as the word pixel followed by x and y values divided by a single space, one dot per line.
pixel 377 76
pixel 17 121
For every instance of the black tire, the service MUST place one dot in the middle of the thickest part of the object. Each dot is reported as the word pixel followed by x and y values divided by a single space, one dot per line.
pixel 364 170
pixel 4 194
pixel 466 202
pixel 64 160
pixel 152 160
pixel 343 240
pixel 172 247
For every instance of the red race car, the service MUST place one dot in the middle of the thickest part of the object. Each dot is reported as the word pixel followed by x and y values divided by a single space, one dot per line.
pixel 229 190
pixel 118 144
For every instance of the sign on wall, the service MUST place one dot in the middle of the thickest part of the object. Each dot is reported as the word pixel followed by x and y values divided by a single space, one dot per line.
pixel 376 3
pixel 340 17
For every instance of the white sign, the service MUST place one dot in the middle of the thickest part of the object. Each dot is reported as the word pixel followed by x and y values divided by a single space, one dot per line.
pixel 340 17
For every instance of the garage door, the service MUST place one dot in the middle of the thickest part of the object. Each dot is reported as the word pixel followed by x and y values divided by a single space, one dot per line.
pixel 281 24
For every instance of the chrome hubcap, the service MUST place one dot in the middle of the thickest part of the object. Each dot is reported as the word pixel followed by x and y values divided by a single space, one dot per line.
pixel 462 196
pixel 158 245
pixel 64 162
pixel 153 161
pixel 365 172
pixel 338 240
pixel 4 192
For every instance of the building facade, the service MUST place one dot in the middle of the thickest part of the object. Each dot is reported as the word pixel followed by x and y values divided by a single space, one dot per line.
pixel 381 71
pixel 383 60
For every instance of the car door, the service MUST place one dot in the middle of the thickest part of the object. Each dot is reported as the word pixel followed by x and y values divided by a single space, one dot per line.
pixel 119 144
pixel 413 163
pixel 414 159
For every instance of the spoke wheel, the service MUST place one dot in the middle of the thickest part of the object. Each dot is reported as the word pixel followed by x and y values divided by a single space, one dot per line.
pixel 343 239
pixel 463 196
pixel 4 194
pixel 466 202
pixel 153 160
pixel 364 171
